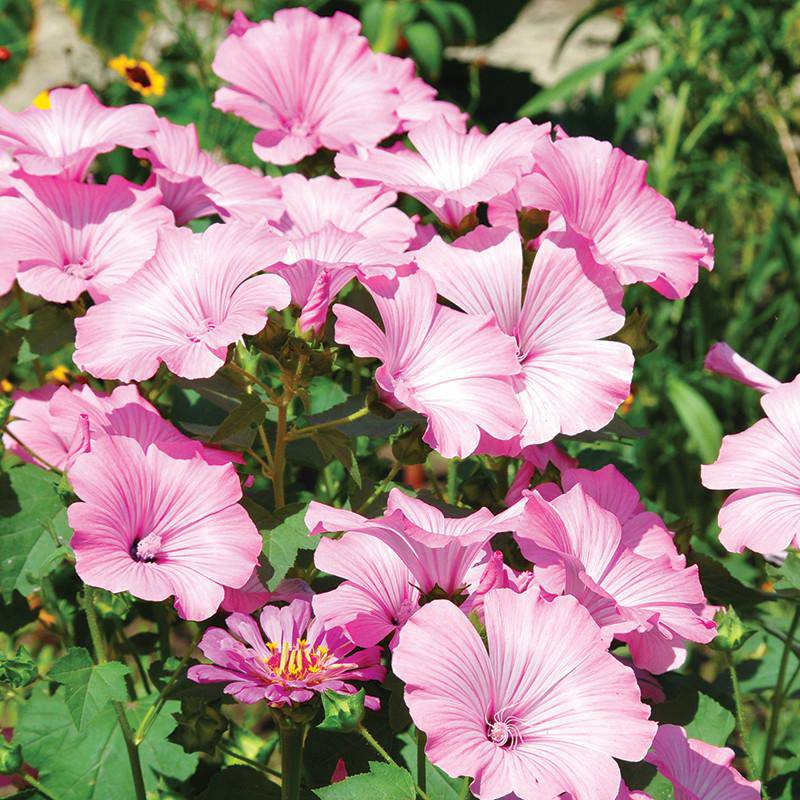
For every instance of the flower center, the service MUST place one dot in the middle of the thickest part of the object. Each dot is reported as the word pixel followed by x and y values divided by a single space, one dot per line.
pixel 404 612
pixel 81 269
pixel 203 328
pixel 138 74
pixel 503 731
pixel 146 549
pixel 300 662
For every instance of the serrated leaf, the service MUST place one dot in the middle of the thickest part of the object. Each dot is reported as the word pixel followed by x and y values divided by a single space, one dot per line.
pixel 29 501
pixel 343 712
pixel 93 764
pixel 283 542
pixel 787 575
pixel 18 670
pixel 382 782
pixel 88 687
pixel 722 588
pixel 250 413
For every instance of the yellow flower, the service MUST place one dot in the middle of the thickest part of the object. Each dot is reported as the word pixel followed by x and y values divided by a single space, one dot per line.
pixel 58 375
pixel 141 76
pixel 42 100
pixel 6 386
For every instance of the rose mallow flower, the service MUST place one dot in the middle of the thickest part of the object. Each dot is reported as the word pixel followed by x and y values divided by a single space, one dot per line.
pixel 545 711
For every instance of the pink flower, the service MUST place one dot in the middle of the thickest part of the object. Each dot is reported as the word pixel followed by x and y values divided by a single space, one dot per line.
pixel 143 527
pixel 378 594
pixel 337 231
pixel 763 465
pixel 454 368
pixel 194 185
pixel 539 714
pixel 49 421
pixel 697 770
pixel 724 360
pixel 536 458
pixel 450 170
pixel 560 326
pixel 65 138
pixel 299 659
pixel 655 605
pixel 68 237
pixel 308 82
pixel 438 551
pixel 600 193
pixel 200 297
pixel 253 594
pixel 417 102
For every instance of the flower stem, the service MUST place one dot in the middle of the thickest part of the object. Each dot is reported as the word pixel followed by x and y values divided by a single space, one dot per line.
pixel 99 645
pixel 302 433
pixel 245 760
pixel 464 790
pixel 155 709
pixel 376 746
pixel 292 736
pixel 741 720
pixel 779 695
pixel 30 452
pixel 380 488
pixel 29 779
pixel 452 479
pixel 279 456
pixel 421 776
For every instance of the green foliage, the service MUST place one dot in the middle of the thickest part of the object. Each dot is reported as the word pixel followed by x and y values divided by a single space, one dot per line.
pixel 241 782
pixel 343 712
pixel 282 543
pixel 88 687
pixel 19 669
pixel 16 24
pixel 383 782
pixel 112 32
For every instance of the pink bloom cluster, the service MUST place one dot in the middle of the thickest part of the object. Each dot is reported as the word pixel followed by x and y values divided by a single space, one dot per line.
pixel 500 337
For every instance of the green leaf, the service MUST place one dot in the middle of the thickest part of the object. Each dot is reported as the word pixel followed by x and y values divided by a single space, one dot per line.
pixel 567 86
pixel 283 542
pixel 88 687
pixel 16 24
pixel 634 333
pixel 722 588
pixel 30 502
pixel 242 783
pixel 697 417
pixel 324 393
pixel 343 712
pixel 46 330
pixel 426 46
pixel 382 782
pixel 93 764
pixel 18 670
pixel 440 786
pixel 712 722
pixel 787 575
pixel 115 32
pixel 250 413
pixel 334 444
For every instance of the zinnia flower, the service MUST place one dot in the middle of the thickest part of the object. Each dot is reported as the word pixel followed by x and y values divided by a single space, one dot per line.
pixel 64 138
pixel 308 82
pixel 143 527
pixel 545 711
pixel 194 298
pixel 724 360
pixel 299 659
pixel 450 170
pixel 697 770
pixel 140 75
pixel 763 465
pixel 599 192
pixel 655 605
pixel 69 237
pixel 456 369
pixel 560 326
pixel 194 185
pixel 52 421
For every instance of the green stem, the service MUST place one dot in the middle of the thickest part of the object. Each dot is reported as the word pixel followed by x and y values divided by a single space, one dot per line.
pixel 163 631
pixel 232 365
pixel 464 790
pixel 98 642
pixel 29 779
pixel 30 452
pixel 279 456
pixel 741 720
pixel 779 696
pixel 376 746
pixel 379 489
pixel 245 760
pixel 291 758
pixel 155 709
pixel 421 776
pixel 452 477
pixel 302 433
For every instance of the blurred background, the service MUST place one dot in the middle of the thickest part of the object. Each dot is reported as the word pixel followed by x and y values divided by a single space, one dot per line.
pixel 706 91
